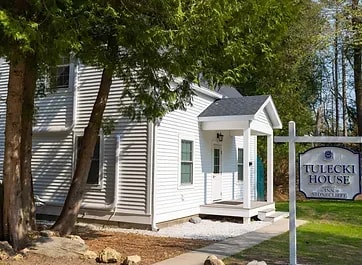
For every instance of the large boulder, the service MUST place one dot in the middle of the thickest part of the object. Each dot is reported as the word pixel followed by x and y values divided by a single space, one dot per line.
pixel 213 260
pixel 56 247
pixel 109 255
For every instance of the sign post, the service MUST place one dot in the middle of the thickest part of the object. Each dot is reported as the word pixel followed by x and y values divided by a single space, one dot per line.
pixel 324 178
pixel 292 197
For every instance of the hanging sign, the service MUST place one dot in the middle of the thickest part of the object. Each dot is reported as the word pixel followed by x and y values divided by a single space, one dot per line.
pixel 329 173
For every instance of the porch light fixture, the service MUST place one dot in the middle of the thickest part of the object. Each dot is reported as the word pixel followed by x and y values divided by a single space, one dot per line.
pixel 220 137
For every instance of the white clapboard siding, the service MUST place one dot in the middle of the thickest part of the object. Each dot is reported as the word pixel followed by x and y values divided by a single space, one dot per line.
pixel 52 166
pixel 52 153
pixel 55 109
pixel 262 117
pixel 238 195
pixel 132 186
pixel 173 200
pixel 228 166
pixel 4 75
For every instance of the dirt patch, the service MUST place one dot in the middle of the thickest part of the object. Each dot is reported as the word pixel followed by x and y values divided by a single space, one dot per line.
pixel 151 249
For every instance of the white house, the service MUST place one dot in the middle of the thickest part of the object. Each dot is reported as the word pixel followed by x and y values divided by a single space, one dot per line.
pixel 198 161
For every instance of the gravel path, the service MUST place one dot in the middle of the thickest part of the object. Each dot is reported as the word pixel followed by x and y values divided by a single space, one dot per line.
pixel 206 229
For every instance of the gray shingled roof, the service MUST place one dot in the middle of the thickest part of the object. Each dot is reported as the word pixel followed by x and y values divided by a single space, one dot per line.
pixel 228 91
pixel 234 106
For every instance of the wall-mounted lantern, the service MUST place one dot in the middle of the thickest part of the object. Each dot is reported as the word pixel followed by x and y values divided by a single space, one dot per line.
pixel 220 137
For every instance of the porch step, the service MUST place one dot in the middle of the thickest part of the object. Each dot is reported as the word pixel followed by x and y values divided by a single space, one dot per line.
pixel 264 213
pixel 274 216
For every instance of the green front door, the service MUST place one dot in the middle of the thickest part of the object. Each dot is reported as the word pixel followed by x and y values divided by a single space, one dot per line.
pixel 260 180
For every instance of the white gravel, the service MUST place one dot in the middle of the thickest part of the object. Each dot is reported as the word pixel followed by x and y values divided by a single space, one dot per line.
pixel 207 229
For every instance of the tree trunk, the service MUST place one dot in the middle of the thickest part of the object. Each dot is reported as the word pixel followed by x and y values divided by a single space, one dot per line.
pixel 336 78
pixel 30 78
pixel 13 225
pixel 65 222
pixel 357 70
pixel 344 91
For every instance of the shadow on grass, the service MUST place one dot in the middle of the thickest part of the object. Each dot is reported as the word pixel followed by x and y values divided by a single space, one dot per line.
pixel 349 212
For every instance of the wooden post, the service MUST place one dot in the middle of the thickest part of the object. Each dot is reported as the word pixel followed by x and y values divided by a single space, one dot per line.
pixel 247 182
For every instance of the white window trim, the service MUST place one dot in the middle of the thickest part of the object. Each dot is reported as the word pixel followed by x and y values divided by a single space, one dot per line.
pixel 70 65
pixel 237 164
pixel 100 184
pixel 191 139
pixel 221 148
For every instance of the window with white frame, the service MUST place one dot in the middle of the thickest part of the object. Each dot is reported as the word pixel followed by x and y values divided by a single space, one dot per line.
pixel 94 174
pixel 62 73
pixel 240 164
pixel 186 162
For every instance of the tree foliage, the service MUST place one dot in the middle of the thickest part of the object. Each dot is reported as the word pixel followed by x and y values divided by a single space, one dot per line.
pixel 284 63
pixel 260 46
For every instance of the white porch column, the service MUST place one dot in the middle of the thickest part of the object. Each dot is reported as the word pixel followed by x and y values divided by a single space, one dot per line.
pixel 270 168
pixel 246 181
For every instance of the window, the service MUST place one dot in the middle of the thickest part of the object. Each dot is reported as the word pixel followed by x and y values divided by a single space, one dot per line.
pixel 62 76
pixel 186 162
pixel 240 164
pixel 94 172
pixel 217 168
pixel 62 73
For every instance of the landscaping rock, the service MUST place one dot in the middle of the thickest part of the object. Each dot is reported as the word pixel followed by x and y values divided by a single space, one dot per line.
pixel 213 260
pixel 90 255
pixel 49 233
pixel 195 220
pixel 75 237
pixel 132 260
pixel 255 262
pixel 109 255
pixel 6 250
pixel 18 257
pixel 57 247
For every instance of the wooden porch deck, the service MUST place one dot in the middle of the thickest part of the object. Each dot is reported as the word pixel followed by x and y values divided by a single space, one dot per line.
pixel 235 208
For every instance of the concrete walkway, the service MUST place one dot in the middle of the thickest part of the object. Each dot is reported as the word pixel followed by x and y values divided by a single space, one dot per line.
pixel 232 245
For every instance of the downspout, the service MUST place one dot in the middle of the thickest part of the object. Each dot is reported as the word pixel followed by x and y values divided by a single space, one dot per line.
pixel 113 204
pixel 152 175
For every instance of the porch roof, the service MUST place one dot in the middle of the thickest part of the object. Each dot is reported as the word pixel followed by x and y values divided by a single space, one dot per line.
pixel 256 112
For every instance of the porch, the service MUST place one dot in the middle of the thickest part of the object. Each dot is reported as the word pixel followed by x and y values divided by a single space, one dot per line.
pixel 235 208
pixel 247 117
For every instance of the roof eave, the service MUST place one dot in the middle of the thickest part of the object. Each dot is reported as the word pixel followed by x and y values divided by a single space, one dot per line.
pixel 227 118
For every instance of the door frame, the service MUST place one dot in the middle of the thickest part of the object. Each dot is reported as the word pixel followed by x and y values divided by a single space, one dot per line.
pixel 216 178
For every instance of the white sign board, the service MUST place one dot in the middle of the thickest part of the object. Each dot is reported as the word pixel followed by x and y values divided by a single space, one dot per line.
pixel 329 173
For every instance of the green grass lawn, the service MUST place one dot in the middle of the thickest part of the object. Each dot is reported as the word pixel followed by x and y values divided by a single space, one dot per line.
pixel 333 236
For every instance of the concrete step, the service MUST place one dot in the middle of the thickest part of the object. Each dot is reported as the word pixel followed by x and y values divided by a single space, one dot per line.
pixel 264 213
pixel 276 216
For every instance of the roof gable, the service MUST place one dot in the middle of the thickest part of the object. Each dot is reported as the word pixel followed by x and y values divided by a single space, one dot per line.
pixel 234 106
pixel 245 108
